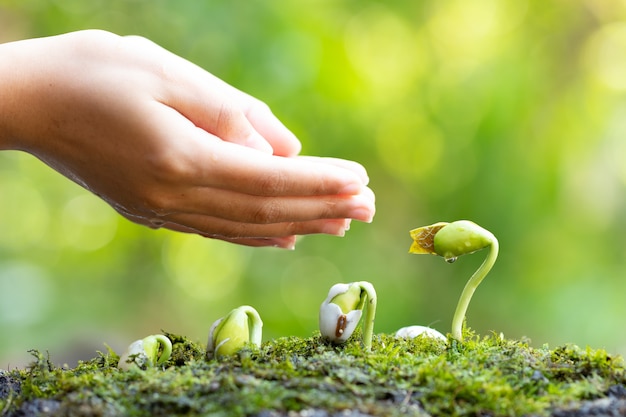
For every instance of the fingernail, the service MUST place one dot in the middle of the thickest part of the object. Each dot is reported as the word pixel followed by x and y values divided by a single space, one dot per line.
pixel 369 193
pixel 362 208
pixel 363 214
pixel 336 228
pixel 288 242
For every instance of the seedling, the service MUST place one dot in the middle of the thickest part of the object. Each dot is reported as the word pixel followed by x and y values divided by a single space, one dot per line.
pixel 229 334
pixel 145 352
pixel 451 240
pixel 341 312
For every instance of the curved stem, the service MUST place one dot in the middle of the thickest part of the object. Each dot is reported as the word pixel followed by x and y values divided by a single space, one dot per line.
pixel 255 325
pixel 166 348
pixel 368 324
pixel 470 287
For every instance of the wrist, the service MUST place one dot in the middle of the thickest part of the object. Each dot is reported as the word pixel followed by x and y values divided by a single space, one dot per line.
pixel 42 82
pixel 8 72
pixel 22 108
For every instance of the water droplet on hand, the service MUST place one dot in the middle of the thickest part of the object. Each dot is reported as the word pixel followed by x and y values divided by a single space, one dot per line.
pixel 156 223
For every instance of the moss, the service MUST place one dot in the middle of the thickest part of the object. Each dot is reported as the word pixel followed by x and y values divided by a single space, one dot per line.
pixel 481 376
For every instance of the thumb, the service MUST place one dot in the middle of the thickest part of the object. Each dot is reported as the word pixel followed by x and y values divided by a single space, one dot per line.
pixel 232 125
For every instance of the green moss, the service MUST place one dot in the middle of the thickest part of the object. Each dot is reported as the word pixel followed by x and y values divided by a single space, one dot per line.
pixel 481 376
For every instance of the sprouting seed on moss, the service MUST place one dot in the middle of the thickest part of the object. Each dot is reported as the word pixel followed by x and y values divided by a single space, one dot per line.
pixel 451 240
pixel 229 334
pixel 149 351
pixel 342 309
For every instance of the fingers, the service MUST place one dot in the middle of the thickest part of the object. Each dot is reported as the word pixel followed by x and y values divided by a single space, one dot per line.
pixel 224 190
pixel 221 109
pixel 283 242
pixel 221 228
pixel 246 208
pixel 198 159
pixel 280 235
pixel 287 242
pixel 282 140
pixel 243 120
pixel 229 123
pixel 214 178
pixel 343 163
pixel 209 104
pixel 254 173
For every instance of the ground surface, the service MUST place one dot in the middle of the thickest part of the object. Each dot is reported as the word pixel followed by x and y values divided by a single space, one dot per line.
pixel 484 376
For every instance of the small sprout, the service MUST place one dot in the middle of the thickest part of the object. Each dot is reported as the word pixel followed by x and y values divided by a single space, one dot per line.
pixel 145 352
pixel 411 332
pixel 451 240
pixel 230 333
pixel 341 312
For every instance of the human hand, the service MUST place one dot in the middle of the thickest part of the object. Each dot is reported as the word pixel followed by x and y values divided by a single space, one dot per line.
pixel 169 145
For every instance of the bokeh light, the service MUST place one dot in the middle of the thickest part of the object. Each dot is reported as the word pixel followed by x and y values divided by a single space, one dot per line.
pixel 88 223
pixel 204 269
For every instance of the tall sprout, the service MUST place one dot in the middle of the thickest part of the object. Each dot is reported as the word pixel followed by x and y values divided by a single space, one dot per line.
pixel 451 240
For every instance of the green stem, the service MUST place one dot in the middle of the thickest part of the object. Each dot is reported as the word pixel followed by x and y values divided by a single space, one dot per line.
pixel 368 325
pixel 255 325
pixel 166 346
pixel 470 287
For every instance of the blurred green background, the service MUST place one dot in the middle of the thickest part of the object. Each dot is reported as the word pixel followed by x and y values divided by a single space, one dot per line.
pixel 508 113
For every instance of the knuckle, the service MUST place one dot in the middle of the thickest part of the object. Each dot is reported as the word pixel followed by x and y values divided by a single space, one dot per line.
pixel 222 232
pixel 260 106
pixel 231 123
pixel 269 211
pixel 172 167
pixel 271 183
pixel 168 172
pixel 157 204
pixel 225 120
pixel 224 114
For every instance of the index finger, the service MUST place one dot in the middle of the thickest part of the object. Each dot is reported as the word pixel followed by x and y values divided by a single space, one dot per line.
pixel 257 173
pixel 218 107
pixel 343 163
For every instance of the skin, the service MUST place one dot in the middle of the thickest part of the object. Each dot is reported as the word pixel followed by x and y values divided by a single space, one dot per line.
pixel 167 144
